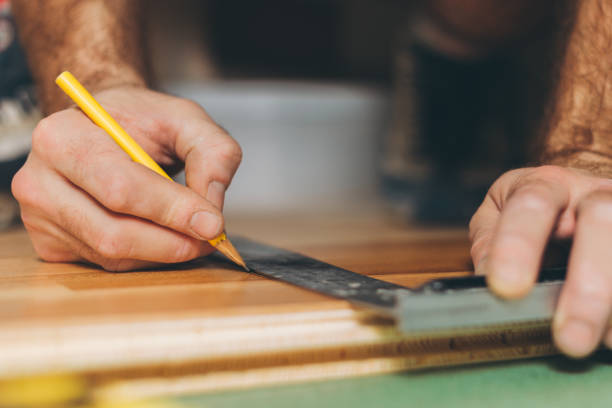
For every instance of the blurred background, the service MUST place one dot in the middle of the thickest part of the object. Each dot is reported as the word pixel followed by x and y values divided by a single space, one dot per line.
pixel 339 105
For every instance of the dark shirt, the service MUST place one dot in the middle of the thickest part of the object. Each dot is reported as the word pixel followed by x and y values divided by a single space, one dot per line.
pixel 14 73
pixel 16 96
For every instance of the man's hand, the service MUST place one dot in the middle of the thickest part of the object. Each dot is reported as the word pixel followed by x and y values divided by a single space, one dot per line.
pixel 83 198
pixel 522 211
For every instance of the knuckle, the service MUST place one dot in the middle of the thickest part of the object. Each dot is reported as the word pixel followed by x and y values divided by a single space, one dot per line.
pixel 533 197
pixel 111 245
pixel 188 105
pixel 598 205
pixel 504 186
pixel 541 177
pixel 117 194
pixel 22 187
pixel 185 250
pixel 44 136
pixel 232 150
pixel 228 151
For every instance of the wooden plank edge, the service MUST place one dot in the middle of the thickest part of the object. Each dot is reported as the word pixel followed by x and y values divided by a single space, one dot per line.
pixel 285 375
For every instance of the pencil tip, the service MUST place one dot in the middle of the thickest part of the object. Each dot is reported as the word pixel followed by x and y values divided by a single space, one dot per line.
pixel 227 249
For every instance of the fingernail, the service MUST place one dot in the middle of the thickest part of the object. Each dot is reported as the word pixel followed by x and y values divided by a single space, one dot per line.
pixel 205 224
pixel 575 337
pixel 216 193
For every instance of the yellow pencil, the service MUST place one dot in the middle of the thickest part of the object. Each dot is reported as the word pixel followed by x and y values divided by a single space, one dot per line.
pixel 100 117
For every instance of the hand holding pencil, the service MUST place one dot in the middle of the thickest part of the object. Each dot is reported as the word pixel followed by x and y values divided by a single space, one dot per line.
pixel 83 199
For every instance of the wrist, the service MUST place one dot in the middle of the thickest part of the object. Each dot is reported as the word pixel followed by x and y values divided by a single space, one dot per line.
pixel 579 138
pixel 594 162
pixel 102 44
pixel 579 127
pixel 52 99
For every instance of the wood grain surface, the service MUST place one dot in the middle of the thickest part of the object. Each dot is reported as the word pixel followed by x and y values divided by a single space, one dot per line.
pixel 196 327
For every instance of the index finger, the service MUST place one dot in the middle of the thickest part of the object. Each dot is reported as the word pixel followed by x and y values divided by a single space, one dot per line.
pixel 525 225
pixel 210 154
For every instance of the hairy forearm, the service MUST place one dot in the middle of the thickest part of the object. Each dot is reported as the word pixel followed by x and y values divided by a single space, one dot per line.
pixel 580 127
pixel 100 41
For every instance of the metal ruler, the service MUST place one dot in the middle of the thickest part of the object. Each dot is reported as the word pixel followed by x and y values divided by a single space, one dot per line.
pixel 440 306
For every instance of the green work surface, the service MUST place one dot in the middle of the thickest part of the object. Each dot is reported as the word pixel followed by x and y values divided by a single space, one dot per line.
pixel 547 382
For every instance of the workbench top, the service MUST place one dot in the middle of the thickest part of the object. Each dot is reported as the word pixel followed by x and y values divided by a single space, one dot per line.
pixel 207 327
pixel 35 291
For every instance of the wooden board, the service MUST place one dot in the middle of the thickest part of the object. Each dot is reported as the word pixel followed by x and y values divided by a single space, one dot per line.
pixel 196 327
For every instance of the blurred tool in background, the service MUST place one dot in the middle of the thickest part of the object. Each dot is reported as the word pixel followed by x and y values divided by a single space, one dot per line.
pixel 18 112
